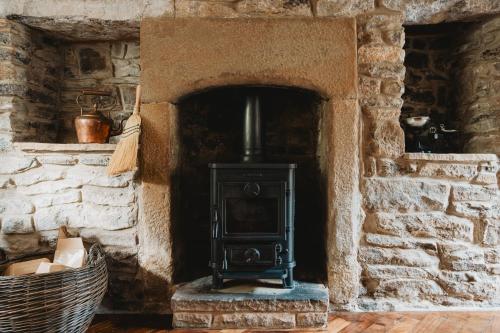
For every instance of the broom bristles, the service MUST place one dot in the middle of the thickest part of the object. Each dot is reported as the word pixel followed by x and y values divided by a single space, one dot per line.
pixel 124 157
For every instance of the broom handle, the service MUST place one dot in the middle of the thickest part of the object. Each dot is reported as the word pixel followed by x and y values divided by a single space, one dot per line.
pixel 137 105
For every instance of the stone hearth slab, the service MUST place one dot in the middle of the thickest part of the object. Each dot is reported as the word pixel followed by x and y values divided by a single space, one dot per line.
pixel 255 304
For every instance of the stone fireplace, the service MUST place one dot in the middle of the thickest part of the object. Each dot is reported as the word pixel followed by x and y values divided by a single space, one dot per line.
pixel 387 229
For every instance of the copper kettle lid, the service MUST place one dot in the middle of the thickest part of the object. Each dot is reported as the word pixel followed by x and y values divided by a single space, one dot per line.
pixel 94 113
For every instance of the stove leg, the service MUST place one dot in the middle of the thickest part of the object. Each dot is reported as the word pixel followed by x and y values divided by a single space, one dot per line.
pixel 288 281
pixel 217 282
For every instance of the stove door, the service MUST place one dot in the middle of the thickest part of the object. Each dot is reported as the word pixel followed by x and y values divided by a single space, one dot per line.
pixel 253 210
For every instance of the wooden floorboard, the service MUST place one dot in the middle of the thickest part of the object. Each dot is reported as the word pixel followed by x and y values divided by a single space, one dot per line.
pixel 342 322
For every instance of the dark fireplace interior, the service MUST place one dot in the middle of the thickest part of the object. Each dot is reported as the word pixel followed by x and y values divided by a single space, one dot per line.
pixel 210 130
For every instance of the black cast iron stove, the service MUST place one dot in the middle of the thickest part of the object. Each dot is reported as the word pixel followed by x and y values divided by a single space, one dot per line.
pixel 252 212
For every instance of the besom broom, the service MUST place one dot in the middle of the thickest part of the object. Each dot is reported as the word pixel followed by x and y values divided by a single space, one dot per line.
pixel 124 157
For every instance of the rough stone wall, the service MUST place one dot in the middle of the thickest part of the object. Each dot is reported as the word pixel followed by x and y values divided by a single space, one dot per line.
pixel 108 66
pixel 44 186
pixel 30 69
pixel 478 80
pixel 431 233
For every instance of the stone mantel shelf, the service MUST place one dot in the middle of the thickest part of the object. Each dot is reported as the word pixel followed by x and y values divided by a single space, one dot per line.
pixel 451 157
pixel 65 147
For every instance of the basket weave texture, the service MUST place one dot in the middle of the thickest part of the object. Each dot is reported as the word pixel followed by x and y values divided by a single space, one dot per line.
pixel 64 301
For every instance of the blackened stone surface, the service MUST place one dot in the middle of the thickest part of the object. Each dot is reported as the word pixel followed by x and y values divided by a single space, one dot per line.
pixel 91 61
pixel 240 296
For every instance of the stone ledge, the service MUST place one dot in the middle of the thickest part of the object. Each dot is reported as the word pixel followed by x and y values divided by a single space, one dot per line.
pixel 250 305
pixel 451 157
pixel 38 147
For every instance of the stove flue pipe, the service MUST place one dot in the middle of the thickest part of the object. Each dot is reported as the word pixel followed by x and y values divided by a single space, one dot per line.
pixel 252 139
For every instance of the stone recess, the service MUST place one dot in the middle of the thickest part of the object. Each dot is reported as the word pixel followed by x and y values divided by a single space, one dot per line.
pixel 196 305
pixel 43 189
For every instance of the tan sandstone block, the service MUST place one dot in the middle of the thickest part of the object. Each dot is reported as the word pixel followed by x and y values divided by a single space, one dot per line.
pixel 254 320
pixel 192 320
pixel 380 53
pixel 312 319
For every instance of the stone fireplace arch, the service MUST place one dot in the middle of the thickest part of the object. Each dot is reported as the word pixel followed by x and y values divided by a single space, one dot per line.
pixel 180 56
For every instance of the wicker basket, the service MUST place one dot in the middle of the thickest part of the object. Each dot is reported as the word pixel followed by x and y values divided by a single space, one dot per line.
pixel 64 301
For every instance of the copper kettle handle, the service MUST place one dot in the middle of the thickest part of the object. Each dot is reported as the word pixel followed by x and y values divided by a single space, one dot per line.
pixel 100 93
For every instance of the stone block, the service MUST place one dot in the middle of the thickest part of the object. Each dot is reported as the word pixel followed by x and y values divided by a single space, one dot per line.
pixel 16 163
pixel 96 175
pixel 197 296
pixel 123 238
pixel 473 193
pixel 428 225
pixel 58 159
pixel 408 289
pixel 106 217
pixel 390 272
pixel 312 319
pixel 476 209
pixel 399 257
pixel 405 195
pixel 342 8
pixel 383 70
pixel 108 196
pixel 192 320
pixel 51 218
pixel 470 285
pixel 133 50
pixel 40 174
pixel 267 320
pixel 47 200
pixel 460 257
pixel 491 236
pixel 94 159
pixel 125 67
pixel 449 170
pixel 13 204
pixel 369 54
pixel 16 224
pixel 398 242
pixel 5 181
pixel 49 187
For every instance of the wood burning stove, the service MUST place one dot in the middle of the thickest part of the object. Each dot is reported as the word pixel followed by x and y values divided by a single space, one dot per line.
pixel 252 212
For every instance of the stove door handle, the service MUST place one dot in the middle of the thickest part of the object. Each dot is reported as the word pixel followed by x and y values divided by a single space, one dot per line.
pixel 215 230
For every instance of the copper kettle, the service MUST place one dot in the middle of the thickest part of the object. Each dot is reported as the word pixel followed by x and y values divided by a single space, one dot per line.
pixel 95 127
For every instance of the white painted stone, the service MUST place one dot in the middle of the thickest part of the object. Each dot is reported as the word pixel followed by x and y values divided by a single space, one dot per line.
pixel 473 193
pixel 94 159
pixel 60 159
pixel 491 236
pixel 486 178
pixel 96 175
pixel 405 195
pixel 4 181
pixel 15 163
pixel 428 225
pixel 400 257
pixel 40 174
pixel 46 200
pixel 13 204
pixel 53 217
pixel 125 237
pixel 108 196
pixel 451 157
pixel 49 187
pixel 5 123
pixel 107 217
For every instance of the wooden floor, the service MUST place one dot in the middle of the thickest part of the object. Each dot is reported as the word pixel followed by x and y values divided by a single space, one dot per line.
pixel 389 322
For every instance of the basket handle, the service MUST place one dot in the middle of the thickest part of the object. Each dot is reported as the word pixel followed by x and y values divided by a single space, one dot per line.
pixel 96 253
